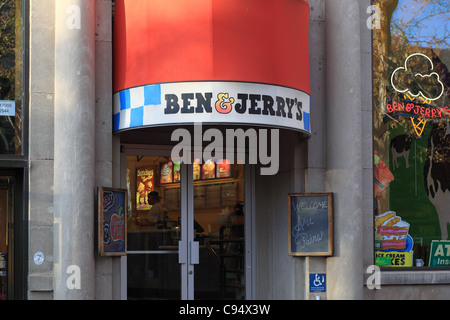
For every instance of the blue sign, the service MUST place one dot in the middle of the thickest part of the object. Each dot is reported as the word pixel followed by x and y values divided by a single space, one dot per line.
pixel 317 282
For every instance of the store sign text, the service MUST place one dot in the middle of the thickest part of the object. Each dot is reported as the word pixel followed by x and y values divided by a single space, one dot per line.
pixel 212 102
pixel 397 107
pixel 244 103
pixel 440 253
pixel 397 259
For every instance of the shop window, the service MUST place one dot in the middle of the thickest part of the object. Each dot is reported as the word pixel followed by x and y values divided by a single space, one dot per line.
pixel 11 64
pixel 411 99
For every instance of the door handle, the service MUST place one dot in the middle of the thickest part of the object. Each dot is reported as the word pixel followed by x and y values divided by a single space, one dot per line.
pixel 182 254
pixel 194 256
pixel 194 252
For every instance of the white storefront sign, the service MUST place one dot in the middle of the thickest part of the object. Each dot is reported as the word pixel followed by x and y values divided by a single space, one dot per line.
pixel 212 102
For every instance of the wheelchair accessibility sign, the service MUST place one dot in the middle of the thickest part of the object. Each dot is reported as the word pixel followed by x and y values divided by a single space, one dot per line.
pixel 317 282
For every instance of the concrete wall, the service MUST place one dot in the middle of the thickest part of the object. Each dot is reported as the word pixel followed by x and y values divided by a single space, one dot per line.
pixel 303 166
pixel 278 275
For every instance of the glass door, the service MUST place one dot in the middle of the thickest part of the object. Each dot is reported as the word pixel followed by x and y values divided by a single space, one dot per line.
pixel 154 228
pixel 6 244
pixel 219 229
pixel 185 229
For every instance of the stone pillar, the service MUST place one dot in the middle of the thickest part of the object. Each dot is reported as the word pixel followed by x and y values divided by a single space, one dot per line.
pixel 315 173
pixel 41 140
pixel 108 271
pixel 344 161
pixel 74 166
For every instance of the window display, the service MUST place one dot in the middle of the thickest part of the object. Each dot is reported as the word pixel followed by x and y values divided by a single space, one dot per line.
pixel 411 133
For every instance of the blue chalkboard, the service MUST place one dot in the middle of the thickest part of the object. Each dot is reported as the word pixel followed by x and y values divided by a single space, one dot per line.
pixel 311 224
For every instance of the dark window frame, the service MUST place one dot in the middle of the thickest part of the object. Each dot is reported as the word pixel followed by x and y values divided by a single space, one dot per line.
pixel 389 268
pixel 23 156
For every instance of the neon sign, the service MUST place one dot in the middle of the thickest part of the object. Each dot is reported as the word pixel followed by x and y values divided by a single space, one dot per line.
pixel 421 86
pixel 410 81
pixel 411 108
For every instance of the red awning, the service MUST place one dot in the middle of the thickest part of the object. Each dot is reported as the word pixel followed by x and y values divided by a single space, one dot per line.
pixel 262 41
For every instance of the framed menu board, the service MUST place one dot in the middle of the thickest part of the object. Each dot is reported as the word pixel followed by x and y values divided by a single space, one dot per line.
pixel 310 224
pixel 112 221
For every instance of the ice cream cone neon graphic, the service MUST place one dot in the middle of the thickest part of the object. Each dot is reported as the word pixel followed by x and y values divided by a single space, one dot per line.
pixel 418 125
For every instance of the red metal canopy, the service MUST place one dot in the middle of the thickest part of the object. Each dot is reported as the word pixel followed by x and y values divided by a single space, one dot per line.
pixel 263 41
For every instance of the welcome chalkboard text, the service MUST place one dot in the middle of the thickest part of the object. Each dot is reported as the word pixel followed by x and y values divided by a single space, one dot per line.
pixel 310 224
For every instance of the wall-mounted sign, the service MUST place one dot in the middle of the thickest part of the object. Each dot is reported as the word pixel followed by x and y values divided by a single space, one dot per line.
pixel 7 108
pixel 311 224
pixel 39 258
pixel 112 222
pixel 181 62
pixel 212 102
pixel 317 282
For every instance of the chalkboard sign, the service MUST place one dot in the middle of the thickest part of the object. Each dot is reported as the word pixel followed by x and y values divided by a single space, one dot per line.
pixel 112 222
pixel 311 224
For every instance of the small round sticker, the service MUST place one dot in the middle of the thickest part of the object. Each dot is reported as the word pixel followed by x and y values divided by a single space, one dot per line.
pixel 39 258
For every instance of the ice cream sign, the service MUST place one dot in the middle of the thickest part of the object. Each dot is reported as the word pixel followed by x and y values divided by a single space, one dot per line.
pixel 417 78
pixel 422 91
pixel 393 244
